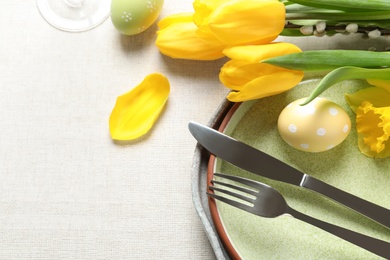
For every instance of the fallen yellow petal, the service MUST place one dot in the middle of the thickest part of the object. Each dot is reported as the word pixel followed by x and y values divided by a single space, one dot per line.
pixel 136 111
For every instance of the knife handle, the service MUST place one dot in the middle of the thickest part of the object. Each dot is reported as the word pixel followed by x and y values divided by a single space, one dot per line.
pixel 371 210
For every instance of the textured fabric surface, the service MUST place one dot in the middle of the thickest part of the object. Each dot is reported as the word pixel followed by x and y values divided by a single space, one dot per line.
pixel 67 191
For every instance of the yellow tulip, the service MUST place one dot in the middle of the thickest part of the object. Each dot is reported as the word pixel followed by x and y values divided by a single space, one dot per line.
pixel 240 22
pixel 177 39
pixel 372 108
pixel 251 79
pixel 217 24
pixel 136 111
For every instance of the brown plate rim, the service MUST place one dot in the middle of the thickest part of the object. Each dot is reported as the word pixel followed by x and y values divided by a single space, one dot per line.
pixel 212 204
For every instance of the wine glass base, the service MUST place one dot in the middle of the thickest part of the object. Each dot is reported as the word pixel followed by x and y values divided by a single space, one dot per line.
pixel 74 18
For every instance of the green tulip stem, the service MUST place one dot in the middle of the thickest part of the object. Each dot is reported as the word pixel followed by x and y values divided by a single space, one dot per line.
pixel 327 60
pixel 346 73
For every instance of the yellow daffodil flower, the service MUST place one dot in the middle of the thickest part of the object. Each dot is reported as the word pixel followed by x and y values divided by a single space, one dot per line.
pixel 379 96
pixel 373 127
pixel 251 79
pixel 239 22
pixel 177 39
pixel 136 111
pixel 372 108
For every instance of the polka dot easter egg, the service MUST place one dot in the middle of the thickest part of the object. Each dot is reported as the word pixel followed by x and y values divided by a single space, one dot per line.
pixel 131 17
pixel 315 127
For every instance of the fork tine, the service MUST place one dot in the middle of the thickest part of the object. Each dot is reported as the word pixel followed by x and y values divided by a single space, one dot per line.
pixel 243 189
pixel 250 183
pixel 233 194
pixel 231 202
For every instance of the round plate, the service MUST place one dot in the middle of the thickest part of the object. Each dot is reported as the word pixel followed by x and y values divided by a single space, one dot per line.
pixel 248 236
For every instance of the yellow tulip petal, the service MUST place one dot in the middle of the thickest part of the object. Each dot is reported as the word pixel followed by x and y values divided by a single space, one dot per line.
pixel 257 53
pixel 238 22
pixel 379 97
pixel 373 127
pixel 252 79
pixel 136 111
pixel 235 74
pixel 175 18
pixel 178 40
pixel 278 81
pixel 203 9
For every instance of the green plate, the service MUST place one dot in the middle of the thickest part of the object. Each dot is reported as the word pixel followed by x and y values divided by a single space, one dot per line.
pixel 252 237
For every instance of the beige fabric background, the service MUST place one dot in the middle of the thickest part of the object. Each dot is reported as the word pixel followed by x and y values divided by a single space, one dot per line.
pixel 67 191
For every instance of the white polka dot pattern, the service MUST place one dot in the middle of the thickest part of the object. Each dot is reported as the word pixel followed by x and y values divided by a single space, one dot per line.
pixel 321 131
pixel 318 126
pixel 305 146
pixel 292 128
pixel 333 111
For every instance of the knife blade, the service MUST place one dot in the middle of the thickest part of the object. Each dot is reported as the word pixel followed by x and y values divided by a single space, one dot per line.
pixel 258 162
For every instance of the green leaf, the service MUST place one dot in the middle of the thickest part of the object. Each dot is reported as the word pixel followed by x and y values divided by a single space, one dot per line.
pixel 339 16
pixel 346 73
pixel 346 4
pixel 297 8
pixel 323 60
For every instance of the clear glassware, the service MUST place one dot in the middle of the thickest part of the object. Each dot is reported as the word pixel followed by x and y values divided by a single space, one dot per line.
pixel 74 15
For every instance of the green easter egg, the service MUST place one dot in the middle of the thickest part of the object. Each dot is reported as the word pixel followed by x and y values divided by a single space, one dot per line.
pixel 134 16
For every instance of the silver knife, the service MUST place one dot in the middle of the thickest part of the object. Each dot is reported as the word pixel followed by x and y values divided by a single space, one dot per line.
pixel 258 162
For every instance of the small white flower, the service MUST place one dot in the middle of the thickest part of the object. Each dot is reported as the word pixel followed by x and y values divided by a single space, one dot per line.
pixel 321 26
pixel 307 29
pixel 352 28
pixel 374 34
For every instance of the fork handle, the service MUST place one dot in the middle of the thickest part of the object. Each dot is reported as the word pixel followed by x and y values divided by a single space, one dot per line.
pixel 376 246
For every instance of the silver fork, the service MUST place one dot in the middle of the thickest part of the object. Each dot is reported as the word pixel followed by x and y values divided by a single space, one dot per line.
pixel 269 203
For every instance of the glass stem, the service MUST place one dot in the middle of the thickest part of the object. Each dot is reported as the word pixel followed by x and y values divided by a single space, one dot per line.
pixel 74 3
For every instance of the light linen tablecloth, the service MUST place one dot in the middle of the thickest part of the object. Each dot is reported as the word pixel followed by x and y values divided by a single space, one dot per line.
pixel 67 191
